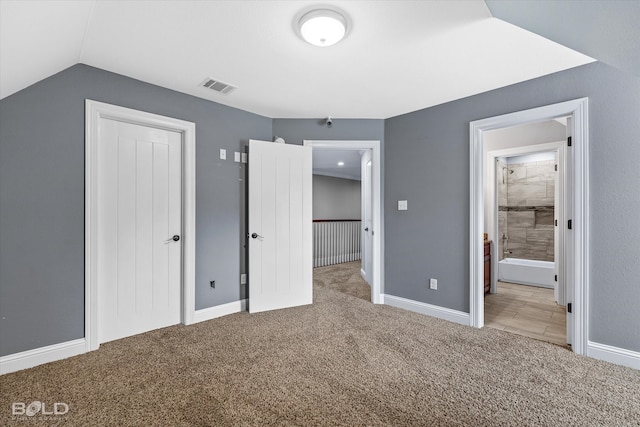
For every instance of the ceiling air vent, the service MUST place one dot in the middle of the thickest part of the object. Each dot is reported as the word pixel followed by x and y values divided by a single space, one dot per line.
pixel 218 86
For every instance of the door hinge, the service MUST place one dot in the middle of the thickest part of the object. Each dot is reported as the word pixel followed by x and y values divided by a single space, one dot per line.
pixel 555 168
pixel 569 308
pixel 556 222
pixel 569 141
pixel 556 278
pixel 569 224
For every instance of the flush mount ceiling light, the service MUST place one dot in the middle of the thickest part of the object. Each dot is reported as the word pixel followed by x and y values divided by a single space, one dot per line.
pixel 340 163
pixel 322 27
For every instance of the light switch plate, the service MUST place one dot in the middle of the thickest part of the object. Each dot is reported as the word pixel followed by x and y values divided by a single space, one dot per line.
pixel 236 157
pixel 402 205
pixel 244 157
pixel 223 154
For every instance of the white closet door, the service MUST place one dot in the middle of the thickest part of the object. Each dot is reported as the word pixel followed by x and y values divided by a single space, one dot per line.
pixel 139 227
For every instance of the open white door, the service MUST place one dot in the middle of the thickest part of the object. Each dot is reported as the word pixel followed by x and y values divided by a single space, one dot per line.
pixel 280 226
pixel 367 216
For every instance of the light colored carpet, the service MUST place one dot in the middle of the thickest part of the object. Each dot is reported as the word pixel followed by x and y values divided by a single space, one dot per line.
pixel 340 361
pixel 343 278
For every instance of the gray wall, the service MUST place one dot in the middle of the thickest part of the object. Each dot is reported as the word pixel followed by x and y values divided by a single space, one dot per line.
pixel 294 131
pixel 427 163
pixel 336 198
pixel 42 198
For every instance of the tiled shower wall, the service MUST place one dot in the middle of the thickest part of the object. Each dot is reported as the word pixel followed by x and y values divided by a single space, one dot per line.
pixel 526 210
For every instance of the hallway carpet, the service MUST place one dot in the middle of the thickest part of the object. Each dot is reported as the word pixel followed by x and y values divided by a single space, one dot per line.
pixel 340 361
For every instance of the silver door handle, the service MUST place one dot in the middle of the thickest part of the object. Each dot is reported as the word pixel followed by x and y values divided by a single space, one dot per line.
pixel 256 235
pixel 175 238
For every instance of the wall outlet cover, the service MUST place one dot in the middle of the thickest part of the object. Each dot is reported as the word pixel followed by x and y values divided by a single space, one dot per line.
pixel 402 205
pixel 433 284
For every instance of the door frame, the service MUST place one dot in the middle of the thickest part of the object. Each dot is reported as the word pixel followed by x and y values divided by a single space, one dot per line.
pixel 366 193
pixel 94 111
pixel 377 285
pixel 559 205
pixel 577 240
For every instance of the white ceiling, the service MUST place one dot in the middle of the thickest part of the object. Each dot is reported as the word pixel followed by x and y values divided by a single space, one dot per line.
pixel 398 56
pixel 325 162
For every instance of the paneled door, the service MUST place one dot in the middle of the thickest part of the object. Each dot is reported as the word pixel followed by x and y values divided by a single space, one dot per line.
pixel 280 226
pixel 139 229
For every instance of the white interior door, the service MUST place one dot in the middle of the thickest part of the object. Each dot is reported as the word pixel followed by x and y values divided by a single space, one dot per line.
pixel 367 217
pixel 139 227
pixel 280 226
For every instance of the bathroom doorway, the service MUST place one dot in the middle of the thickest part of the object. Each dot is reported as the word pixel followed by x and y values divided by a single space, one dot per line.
pixel 574 268
pixel 527 291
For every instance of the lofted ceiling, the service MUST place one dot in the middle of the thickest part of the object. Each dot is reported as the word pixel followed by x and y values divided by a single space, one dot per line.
pixel 608 30
pixel 398 56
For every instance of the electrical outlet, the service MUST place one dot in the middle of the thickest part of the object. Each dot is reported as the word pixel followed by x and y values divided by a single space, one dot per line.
pixel 243 279
pixel 433 284
pixel 212 283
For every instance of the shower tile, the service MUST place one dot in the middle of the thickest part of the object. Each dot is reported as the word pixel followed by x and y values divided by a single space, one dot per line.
pixel 530 193
pixel 539 201
pixel 527 190
pixel 551 186
pixel 519 173
pixel 543 219
pixel 536 237
pixel 520 219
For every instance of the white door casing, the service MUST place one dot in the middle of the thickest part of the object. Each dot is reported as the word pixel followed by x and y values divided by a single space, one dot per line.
pixel 95 114
pixel 568 276
pixel 139 210
pixel 280 226
pixel 577 240
pixel 367 216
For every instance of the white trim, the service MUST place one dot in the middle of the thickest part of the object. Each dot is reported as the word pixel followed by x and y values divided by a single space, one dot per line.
pixel 94 111
pixel 608 353
pixel 576 267
pixel 220 310
pixel 38 356
pixel 428 309
pixel 377 285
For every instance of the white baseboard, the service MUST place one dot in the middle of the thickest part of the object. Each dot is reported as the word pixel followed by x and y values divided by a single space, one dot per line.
pixel 428 309
pixel 38 356
pixel 608 353
pixel 220 310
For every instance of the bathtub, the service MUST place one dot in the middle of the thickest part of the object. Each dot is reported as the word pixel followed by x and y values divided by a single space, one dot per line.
pixel 527 272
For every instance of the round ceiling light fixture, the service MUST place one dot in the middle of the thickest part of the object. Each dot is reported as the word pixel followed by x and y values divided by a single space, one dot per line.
pixel 323 27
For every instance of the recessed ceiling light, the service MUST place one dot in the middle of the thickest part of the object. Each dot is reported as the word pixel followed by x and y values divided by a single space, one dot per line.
pixel 322 27
pixel 340 163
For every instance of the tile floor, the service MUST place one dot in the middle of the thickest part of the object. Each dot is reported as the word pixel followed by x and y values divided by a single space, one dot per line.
pixel 526 310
